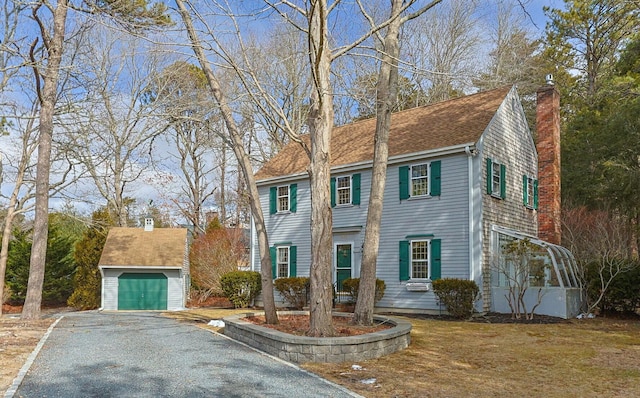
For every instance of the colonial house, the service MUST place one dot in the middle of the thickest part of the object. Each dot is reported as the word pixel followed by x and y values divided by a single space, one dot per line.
pixel 464 179
pixel 145 268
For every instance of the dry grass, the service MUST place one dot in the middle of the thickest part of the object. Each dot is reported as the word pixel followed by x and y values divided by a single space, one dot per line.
pixel 18 338
pixel 591 358
pixel 202 316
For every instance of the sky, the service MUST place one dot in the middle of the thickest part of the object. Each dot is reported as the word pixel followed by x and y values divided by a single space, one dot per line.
pixel 533 7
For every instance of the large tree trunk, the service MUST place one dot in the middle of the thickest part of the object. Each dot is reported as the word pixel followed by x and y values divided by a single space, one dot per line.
pixel 31 309
pixel 244 163
pixel 4 250
pixel 320 126
pixel 386 95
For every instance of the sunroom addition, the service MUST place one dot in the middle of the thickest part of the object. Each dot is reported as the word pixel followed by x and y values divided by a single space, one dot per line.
pixel 531 275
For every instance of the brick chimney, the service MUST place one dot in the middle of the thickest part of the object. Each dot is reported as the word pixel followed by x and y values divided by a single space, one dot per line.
pixel 548 146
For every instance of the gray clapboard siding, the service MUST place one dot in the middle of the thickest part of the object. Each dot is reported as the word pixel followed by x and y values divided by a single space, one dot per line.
pixel 444 216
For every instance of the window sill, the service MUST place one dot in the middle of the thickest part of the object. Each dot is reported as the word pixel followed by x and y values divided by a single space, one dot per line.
pixel 418 286
pixel 282 212
pixel 419 197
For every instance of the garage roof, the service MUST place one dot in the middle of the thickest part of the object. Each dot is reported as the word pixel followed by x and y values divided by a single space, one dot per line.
pixel 135 247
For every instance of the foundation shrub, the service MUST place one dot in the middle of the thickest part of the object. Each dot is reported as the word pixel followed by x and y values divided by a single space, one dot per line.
pixel 294 290
pixel 351 286
pixel 458 295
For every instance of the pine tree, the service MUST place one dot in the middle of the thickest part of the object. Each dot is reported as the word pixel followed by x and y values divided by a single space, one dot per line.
pixel 87 279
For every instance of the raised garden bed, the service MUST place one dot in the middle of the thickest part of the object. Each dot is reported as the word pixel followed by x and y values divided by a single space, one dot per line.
pixel 301 349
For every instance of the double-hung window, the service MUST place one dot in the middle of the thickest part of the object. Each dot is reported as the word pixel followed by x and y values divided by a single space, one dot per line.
pixel 496 179
pixel 420 259
pixel 282 199
pixel 530 192
pixel 345 190
pixel 283 260
pixel 420 180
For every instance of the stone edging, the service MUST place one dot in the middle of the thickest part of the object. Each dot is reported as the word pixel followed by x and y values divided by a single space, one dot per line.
pixel 300 349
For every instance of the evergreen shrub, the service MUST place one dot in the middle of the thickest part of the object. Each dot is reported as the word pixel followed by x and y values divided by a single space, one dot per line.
pixel 294 290
pixel 241 287
pixel 351 286
pixel 458 295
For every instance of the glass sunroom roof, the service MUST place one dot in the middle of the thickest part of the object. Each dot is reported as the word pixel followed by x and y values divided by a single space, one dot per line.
pixel 560 258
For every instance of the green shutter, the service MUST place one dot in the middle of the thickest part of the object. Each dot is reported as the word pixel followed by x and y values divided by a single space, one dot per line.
pixel 535 194
pixel 273 200
pixel 293 197
pixel 435 178
pixel 489 184
pixel 274 257
pixel 404 260
pixel 525 192
pixel 355 182
pixel 404 182
pixel 503 181
pixel 333 192
pixel 293 264
pixel 436 262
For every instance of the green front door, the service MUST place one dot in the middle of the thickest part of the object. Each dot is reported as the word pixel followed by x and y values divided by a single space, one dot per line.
pixel 343 264
pixel 142 291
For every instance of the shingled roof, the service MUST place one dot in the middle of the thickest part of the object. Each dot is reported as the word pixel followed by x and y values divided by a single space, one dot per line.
pixel 162 247
pixel 449 123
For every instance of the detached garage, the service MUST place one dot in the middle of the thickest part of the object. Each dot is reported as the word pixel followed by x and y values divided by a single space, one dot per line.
pixel 145 269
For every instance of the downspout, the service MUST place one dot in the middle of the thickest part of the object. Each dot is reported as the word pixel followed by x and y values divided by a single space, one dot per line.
pixel 472 258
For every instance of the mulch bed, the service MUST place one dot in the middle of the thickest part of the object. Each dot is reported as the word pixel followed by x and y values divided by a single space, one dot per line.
pixel 492 317
pixel 210 302
pixel 298 325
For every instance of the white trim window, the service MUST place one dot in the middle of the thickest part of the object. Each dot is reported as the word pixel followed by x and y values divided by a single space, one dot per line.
pixel 530 192
pixel 420 179
pixel 496 179
pixel 283 198
pixel 420 264
pixel 343 190
pixel 283 262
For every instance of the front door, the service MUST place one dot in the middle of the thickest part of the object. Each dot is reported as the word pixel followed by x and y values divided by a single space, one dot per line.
pixel 344 254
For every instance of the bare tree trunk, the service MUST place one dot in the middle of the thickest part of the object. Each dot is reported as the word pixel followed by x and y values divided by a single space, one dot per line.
pixel 223 182
pixel 320 126
pixel 386 94
pixel 31 309
pixel 4 251
pixel 244 163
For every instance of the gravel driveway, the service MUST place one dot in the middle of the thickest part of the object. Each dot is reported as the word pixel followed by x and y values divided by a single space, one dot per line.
pixel 91 354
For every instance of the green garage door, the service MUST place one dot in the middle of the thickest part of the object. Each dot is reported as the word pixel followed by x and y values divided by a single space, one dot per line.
pixel 142 292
